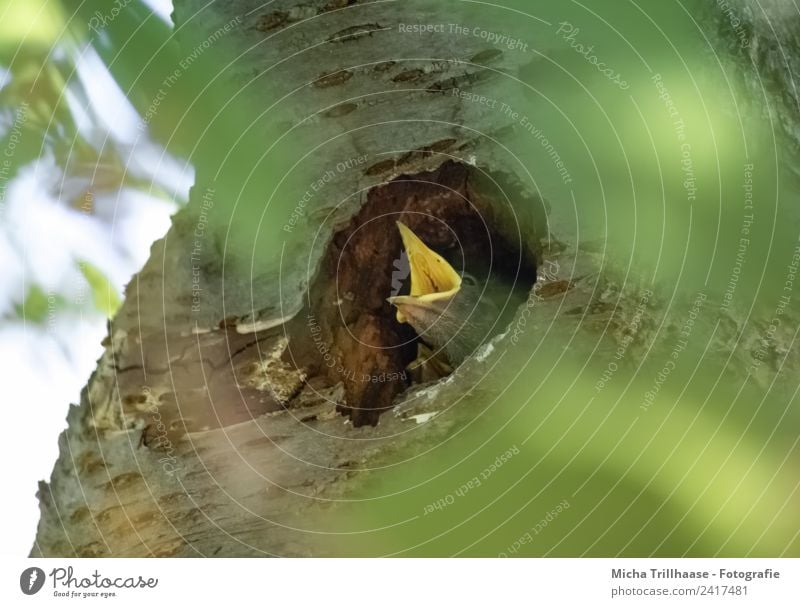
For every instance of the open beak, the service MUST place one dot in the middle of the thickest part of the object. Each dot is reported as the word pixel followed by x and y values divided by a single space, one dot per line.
pixel 433 280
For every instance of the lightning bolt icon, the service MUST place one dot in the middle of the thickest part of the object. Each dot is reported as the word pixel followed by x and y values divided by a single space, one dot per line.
pixel 32 581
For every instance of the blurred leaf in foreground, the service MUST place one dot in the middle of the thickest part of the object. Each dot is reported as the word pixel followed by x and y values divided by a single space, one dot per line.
pixel 105 297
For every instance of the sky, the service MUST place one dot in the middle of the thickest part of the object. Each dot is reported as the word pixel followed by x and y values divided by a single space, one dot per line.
pixel 45 366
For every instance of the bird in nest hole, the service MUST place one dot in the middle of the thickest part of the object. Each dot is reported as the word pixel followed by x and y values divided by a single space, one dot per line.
pixel 451 313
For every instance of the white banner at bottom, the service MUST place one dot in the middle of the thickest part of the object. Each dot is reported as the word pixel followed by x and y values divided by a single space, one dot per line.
pixel 356 582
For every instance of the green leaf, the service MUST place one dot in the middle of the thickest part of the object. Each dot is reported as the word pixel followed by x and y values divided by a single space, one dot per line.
pixel 105 297
pixel 35 307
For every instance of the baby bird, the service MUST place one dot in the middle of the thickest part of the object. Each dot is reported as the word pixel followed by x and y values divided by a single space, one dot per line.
pixel 448 311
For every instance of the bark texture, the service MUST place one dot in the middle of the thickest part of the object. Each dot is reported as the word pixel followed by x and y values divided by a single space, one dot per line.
pixel 195 436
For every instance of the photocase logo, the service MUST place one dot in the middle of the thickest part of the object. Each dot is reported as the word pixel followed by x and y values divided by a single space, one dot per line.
pixel 31 580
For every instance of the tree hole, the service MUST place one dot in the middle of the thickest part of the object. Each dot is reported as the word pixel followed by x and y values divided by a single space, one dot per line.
pixel 349 333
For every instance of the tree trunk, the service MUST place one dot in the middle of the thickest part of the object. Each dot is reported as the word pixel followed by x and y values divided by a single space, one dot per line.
pixel 198 434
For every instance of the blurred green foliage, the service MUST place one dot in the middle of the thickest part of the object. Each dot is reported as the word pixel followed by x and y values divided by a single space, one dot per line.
pixel 40 41
pixel 38 306
pixel 104 295
pixel 709 465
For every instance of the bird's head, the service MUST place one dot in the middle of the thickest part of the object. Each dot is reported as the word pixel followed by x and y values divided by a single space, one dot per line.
pixel 434 282
pixel 437 306
pixel 451 312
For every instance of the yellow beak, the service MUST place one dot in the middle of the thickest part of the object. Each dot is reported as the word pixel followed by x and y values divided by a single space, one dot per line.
pixel 432 278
